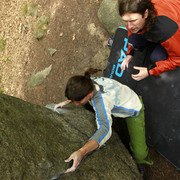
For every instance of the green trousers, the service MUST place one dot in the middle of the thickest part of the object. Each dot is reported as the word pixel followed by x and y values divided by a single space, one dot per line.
pixel 136 128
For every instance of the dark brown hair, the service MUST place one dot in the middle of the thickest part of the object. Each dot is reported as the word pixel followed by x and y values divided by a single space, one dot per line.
pixel 139 6
pixel 80 86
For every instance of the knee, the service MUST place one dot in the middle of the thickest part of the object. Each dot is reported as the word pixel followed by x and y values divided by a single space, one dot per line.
pixel 159 53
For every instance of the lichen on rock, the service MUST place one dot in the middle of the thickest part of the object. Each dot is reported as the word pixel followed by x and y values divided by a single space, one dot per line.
pixel 41 26
pixel 39 77
pixel 2 44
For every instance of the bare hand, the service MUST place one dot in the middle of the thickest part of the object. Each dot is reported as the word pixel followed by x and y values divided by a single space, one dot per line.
pixel 61 104
pixel 77 156
pixel 125 62
pixel 143 73
pixel 56 106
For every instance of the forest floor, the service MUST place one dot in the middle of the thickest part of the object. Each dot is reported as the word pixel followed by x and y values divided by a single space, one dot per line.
pixel 80 42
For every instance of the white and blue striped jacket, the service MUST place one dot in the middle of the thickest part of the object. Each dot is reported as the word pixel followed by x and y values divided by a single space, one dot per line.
pixel 111 98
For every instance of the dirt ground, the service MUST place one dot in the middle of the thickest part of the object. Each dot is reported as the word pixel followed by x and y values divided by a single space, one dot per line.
pixel 80 40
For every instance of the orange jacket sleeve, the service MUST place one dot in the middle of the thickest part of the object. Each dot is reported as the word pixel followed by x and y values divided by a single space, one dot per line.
pixel 169 8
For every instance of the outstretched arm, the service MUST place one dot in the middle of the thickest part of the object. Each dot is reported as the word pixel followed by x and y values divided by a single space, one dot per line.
pixel 103 116
pixel 77 156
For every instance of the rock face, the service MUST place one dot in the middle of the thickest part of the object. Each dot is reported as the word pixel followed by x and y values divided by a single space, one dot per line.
pixel 108 15
pixel 35 141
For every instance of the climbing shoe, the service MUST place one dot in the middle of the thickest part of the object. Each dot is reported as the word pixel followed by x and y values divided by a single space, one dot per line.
pixel 140 169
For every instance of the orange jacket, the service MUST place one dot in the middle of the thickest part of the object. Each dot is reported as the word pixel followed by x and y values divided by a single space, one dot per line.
pixel 169 9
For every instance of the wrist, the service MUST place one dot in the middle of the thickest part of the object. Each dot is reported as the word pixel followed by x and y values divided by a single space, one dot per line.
pixel 83 151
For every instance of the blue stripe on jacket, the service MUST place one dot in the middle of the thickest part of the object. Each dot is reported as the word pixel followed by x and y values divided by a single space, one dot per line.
pixel 130 112
pixel 99 119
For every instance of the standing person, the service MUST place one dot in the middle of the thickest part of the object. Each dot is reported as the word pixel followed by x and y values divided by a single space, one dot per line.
pixel 108 97
pixel 152 22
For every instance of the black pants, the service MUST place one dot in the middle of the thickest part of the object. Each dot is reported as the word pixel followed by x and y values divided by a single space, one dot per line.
pixel 139 44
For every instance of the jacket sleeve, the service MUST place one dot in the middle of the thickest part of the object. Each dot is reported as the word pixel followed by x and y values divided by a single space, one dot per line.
pixel 103 119
pixel 165 65
pixel 171 10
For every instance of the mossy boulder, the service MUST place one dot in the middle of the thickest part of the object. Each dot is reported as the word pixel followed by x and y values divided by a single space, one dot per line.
pixel 108 15
pixel 35 141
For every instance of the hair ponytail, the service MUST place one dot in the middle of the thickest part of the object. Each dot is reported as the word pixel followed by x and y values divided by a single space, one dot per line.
pixel 90 71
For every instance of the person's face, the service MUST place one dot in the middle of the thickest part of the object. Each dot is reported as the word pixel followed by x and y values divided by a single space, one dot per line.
pixel 135 21
pixel 84 100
